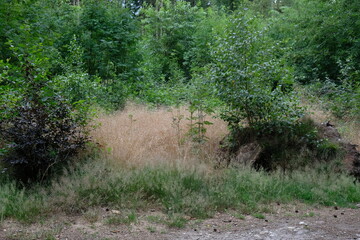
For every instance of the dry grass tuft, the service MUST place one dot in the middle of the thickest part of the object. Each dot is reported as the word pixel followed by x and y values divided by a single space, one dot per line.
pixel 138 136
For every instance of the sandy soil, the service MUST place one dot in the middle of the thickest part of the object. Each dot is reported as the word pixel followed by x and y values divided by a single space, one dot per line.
pixel 285 222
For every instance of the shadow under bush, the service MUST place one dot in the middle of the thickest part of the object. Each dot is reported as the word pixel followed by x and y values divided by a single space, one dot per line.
pixel 280 145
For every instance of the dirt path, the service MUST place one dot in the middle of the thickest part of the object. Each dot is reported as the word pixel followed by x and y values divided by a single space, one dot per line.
pixel 286 222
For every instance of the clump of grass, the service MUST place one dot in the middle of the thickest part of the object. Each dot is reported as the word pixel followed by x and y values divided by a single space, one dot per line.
pixel 156 219
pixel 176 221
pixel 259 215
pixel 18 203
pixel 91 215
pixel 309 214
pixel 121 219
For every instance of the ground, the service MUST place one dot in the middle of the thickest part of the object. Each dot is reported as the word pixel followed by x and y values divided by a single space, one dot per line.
pixel 284 222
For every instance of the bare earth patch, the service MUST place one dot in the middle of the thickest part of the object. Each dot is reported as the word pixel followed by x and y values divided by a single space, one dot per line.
pixel 285 222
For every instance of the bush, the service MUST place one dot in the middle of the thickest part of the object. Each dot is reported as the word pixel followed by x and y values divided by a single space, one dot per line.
pixel 250 79
pixel 294 146
pixel 282 145
pixel 39 129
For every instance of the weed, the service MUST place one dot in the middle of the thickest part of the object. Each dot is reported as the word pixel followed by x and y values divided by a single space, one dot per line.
pixel 151 229
pixel 176 221
pixel 259 215
pixel 309 214
pixel 156 219
pixel 238 216
pixel 119 219
pixel 91 215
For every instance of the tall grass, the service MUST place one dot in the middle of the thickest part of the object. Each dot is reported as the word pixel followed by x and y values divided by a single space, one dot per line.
pixel 19 203
pixel 176 190
pixel 138 136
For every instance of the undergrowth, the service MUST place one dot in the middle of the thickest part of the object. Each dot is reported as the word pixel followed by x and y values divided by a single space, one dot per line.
pixel 176 191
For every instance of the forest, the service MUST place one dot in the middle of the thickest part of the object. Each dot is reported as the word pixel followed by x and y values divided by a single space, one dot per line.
pixel 190 107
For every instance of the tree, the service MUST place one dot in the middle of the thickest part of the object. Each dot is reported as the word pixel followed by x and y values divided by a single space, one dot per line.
pixel 168 37
pixel 322 35
pixel 250 79
pixel 108 34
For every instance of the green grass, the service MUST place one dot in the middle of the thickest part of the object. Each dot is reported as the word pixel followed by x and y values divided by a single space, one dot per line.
pixel 238 216
pixel 177 192
pixel 23 205
pixel 120 219
pixel 176 221
pixel 259 215
pixel 309 214
pixel 156 219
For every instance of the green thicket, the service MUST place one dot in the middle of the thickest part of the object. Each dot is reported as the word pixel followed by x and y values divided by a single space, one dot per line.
pixel 240 57
pixel 323 40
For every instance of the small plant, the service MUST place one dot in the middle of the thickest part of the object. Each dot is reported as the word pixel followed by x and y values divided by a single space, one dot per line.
pixel 239 216
pixel 120 219
pixel 201 104
pixel 309 214
pixel 197 126
pixel 259 215
pixel 156 219
pixel 176 124
pixel 176 221
pixel 151 229
pixel 327 149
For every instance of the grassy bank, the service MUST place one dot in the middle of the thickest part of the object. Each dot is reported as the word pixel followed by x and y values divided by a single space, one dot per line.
pixel 185 191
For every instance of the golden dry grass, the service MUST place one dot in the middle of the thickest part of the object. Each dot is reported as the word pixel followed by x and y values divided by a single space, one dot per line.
pixel 138 136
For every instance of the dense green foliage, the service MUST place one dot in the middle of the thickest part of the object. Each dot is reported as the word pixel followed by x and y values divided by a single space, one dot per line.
pixel 250 78
pixel 323 37
pixel 239 57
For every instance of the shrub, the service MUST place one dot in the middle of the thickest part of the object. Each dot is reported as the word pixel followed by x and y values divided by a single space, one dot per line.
pixel 285 146
pixel 250 79
pixel 294 146
pixel 39 129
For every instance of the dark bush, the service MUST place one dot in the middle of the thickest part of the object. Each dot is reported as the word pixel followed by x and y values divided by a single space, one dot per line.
pixel 283 145
pixel 40 136
pixel 41 130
